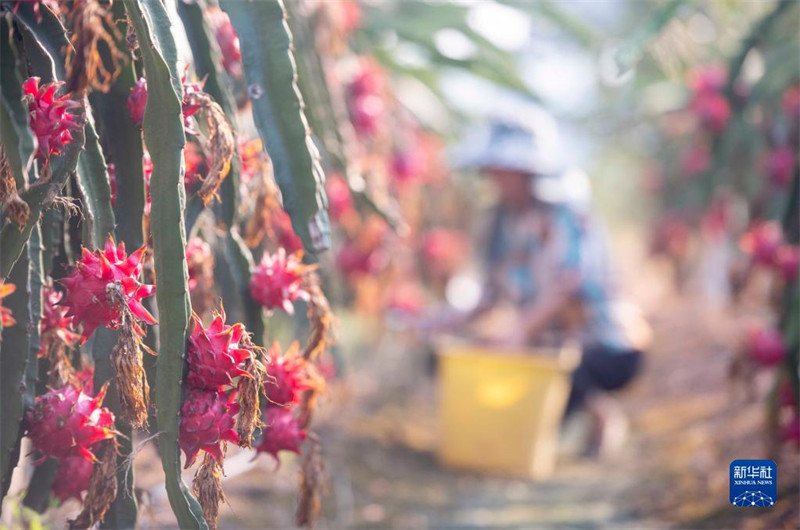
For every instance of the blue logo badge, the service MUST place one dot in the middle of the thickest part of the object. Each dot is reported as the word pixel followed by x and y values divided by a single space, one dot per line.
pixel 754 483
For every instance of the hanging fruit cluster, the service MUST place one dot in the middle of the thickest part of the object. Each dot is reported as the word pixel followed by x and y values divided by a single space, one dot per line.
pixel 726 182
pixel 106 146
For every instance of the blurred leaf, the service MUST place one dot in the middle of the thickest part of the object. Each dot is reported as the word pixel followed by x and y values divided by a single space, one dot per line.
pixel 632 50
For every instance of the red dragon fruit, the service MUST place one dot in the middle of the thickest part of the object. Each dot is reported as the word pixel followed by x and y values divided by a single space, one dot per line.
pixel 695 160
pixel 137 101
pixel 55 322
pixel 215 354
pixel 762 242
pixel 282 432
pixel 277 281
pixel 6 319
pixel 765 346
pixel 284 232
pixel 779 165
pixel 787 260
pixel 791 103
pixel 72 478
pixel 227 39
pixel 340 201
pixel 198 252
pixel 288 376
pixel 207 420
pixel 66 422
pixel 708 103
pixel 48 116
pixel 90 279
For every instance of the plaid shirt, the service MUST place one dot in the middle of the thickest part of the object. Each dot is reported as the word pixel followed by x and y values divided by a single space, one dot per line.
pixel 533 249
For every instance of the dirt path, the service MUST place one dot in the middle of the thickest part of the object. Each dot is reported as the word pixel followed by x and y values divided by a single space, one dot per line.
pixel 687 425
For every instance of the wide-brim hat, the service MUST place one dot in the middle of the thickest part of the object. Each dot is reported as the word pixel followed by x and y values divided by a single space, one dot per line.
pixel 526 142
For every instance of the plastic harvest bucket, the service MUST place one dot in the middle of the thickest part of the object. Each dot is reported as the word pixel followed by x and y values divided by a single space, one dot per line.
pixel 499 411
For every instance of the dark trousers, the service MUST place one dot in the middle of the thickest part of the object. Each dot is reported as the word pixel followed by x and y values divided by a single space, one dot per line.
pixel 602 370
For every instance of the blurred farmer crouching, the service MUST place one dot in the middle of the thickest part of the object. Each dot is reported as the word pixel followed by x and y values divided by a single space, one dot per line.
pixel 548 259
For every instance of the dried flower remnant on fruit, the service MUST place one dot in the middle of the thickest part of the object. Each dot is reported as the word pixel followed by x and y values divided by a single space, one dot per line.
pixel 311 484
pixel 219 144
pixel 277 281
pixel 93 30
pixel 249 392
pixel 103 487
pixel 320 317
pixel 207 487
pixel 49 117
pixel 17 209
pixel 87 295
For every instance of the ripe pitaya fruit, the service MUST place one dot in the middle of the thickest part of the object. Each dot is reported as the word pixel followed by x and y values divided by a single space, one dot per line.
pixel 48 116
pixel 198 255
pixel 779 165
pixel 762 242
pixel 55 324
pixel 6 319
pixel 137 101
pixel 765 346
pixel 284 231
pixel 791 103
pixel 66 422
pixel 287 376
pixel 216 354
pixel 227 39
pixel 72 478
pixel 340 201
pixel 787 260
pixel 88 283
pixel 207 420
pixel 282 432
pixel 277 281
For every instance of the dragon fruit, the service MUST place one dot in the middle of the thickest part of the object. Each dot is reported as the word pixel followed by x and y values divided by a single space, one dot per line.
pixel 287 376
pixel 340 201
pixel 227 39
pixel 6 319
pixel 282 432
pixel 765 346
pixel 66 422
pixel 277 281
pixel 48 116
pixel 198 254
pixel 216 354
pixel 72 478
pixel 207 420
pixel 787 260
pixel 779 165
pixel 88 283
pixel 137 101
pixel 55 324
pixel 762 242
pixel 708 103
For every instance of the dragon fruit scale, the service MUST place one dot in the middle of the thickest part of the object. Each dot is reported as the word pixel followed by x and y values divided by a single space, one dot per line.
pixel 88 284
pixel 66 422
pixel 277 281
pixel 282 432
pixel 207 420
pixel 216 354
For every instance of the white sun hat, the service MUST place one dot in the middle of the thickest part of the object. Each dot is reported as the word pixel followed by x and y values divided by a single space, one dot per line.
pixel 526 140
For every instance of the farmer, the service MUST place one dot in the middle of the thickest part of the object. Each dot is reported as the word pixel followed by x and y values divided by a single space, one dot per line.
pixel 547 257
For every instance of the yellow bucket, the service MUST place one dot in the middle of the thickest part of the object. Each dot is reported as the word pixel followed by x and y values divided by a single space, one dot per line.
pixel 500 411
